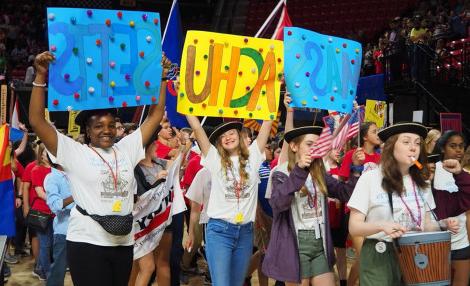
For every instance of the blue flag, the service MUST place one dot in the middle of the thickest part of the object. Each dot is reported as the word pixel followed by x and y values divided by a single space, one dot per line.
pixel 370 87
pixel 172 45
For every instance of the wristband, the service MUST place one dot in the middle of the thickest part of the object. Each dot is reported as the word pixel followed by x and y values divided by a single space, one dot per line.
pixel 164 78
pixel 39 84
pixel 357 169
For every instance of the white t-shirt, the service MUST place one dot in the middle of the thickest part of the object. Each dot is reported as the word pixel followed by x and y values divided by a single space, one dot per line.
pixel 92 185
pixel 223 203
pixel 199 192
pixel 372 200
pixel 306 216
pixel 444 180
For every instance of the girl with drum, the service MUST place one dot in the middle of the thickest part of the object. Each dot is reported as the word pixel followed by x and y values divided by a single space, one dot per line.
pixel 451 145
pixel 396 198
pixel 301 249
pixel 233 167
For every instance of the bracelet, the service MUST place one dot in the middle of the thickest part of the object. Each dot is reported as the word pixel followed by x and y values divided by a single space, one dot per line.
pixel 39 84
pixel 164 78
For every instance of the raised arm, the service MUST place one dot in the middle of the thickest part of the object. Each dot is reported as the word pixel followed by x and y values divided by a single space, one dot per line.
pixel 199 133
pixel 156 112
pixel 288 126
pixel 263 135
pixel 43 129
pixel 24 140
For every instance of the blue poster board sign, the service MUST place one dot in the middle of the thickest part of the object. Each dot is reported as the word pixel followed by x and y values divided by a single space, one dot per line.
pixel 104 58
pixel 321 71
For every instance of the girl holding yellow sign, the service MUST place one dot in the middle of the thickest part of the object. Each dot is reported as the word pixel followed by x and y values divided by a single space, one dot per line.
pixel 232 205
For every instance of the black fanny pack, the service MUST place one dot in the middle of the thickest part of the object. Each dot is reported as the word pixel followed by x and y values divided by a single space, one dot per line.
pixel 113 224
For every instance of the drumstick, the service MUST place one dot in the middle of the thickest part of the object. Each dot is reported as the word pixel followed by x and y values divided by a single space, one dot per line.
pixel 417 164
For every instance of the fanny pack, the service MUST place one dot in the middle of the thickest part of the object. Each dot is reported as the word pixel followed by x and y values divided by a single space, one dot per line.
pixel 112 224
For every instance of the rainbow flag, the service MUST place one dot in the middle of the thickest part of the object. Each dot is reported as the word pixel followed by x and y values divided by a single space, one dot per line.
pixel 7 195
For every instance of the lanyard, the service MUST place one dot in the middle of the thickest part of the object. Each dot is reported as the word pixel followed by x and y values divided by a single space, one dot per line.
pixel 114 175
pixel 313 202
pixel 417 221
pixel 238 187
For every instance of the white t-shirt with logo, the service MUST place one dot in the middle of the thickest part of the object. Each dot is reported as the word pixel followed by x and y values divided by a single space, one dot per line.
pixel 307 211
pixel 372 200
pixel 444 180
pixel 223 202
pixel 93 188
pixel 199 192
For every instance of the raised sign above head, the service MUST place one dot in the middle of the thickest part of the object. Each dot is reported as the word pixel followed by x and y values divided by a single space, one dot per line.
pixel 230 76
pixel 104 58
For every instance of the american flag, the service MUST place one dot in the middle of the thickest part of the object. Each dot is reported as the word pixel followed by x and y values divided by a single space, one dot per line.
pixel 350 129
pixel 323 144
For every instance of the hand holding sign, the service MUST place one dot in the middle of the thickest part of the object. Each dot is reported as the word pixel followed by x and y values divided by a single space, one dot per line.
pixel 230 76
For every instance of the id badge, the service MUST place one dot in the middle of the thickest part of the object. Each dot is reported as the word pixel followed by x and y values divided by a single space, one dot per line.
pixel 380 247
pixel 117 206
pixel 239 218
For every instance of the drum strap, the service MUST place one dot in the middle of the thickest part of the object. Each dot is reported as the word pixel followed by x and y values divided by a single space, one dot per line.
pixel 390 202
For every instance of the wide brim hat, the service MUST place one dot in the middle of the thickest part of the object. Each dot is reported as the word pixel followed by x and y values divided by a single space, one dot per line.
pixel 434 158
pixel 296 132
pixel 222 128
pixel 83 115
pixel 403 127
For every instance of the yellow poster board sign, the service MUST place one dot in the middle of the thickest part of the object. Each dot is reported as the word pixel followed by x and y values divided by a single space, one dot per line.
pixel 230 76
pixel 375 112
pixel 73 129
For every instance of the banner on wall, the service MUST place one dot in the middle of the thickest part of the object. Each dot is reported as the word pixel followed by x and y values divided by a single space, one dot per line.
pixel 321 71
pixel 104 58
pixel 230 76
pixel 375 112
pixel 73 129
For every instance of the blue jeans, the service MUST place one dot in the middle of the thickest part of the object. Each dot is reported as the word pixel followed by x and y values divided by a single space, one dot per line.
pixel 45 244
pixel 59 266
pixel 228 248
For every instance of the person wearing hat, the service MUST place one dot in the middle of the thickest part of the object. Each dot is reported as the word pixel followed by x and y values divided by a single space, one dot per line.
pixel 99 237
pixel 301 248
pixel 232 204
pixel 399 184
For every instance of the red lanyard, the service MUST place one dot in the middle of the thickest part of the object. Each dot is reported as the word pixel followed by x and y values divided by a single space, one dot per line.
pixel 418 222
pixel 313 202
pixel 238 186
pixel 114 175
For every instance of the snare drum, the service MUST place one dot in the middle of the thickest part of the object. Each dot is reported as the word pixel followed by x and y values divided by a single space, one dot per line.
pixel 424 258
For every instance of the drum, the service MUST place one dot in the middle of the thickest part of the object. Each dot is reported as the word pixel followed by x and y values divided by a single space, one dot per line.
pixel 424 258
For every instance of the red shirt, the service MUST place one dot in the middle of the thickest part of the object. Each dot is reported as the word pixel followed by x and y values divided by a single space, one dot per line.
pixel 26 178
pixel 38 174
pixel 371 161
pixel 273 163
pixel 162 150
pixel 19 170
pixel 194 165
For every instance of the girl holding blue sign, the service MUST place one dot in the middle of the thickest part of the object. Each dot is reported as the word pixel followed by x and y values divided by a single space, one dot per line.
pixel 99 237
pixel 232 204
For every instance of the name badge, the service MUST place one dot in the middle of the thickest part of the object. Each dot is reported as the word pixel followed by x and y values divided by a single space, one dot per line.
pixel 380 247
pixel 117 206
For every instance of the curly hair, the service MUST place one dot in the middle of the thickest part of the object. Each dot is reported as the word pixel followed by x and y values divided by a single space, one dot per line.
pixel 317 168
pixel 392 178
pixel 243 154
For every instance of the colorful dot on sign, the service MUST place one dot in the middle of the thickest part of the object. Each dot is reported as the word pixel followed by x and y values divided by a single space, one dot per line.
pixel 98 42
pixel 111 98
pixel 154 99
pixel 221 111
pixel 297 56
pixel 322 46
pixel 89 13
pixel 51 16
pixel 55 102
pixel 226 68
pixel 147 83
pixel 279 60
pixel 260 50
pixel 137 97
pixel 343 106
pixel 112 84
pixel 303 37
pixel 258 107
pixel 279 75
pixel 198 72
pixel 271 47
pixel 111 37
pixel 99 76
pixel 53 48
pixel 112 64
pixel 345 45
pixel 245 40
pixel 247 88
pixel 335 89
pixel 107 22
pixel 352 61
pixel 297 84
pixel 289 33
pixel 205 57
pixel 191 109
pixel 226 44
pixel 76 95
pixel 351 92
pixel 235 112
pixel 89 61
pixel 315 98
pixel 141 54
pixel 73 20
pixel 330 40
pixel 127 76
pixel 91 90
pixel 253 70
pixel 75 50
pixel 148 39
pixel 132 24
pixel 303 102
pixel 332 98
pixel 204 105
pixel 240 73
pixel 124 104
pixel 271 116
pixel 66 76
pixel 307 74
pixel 357 51
pixel 263 92
pixel 69 108
pixel 155 21
pixel 145 17
pixel 211 41
pixel 182 94
pixel 250 114
pixel 195 41
pixel 337 50
pixel 123 46
pixel 119 14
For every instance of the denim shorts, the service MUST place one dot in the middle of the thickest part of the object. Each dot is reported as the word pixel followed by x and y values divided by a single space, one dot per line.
pixel 312 255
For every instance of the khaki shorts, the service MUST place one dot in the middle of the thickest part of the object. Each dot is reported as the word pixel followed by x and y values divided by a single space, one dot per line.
pixel 312 255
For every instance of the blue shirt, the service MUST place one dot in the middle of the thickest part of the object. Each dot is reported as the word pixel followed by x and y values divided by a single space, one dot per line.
pixel 264 172
pixel 57 187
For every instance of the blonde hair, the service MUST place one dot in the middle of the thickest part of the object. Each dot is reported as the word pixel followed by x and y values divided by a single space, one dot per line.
pixel 316 170
pixel 243 154
pixel 433 135
pixel 466 159
pixel 39 160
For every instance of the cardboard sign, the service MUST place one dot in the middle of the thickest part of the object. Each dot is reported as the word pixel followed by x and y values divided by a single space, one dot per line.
pixel 73 129
pixel 321 71
pixel 104 58
pixel 375 112
pixel 230 76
